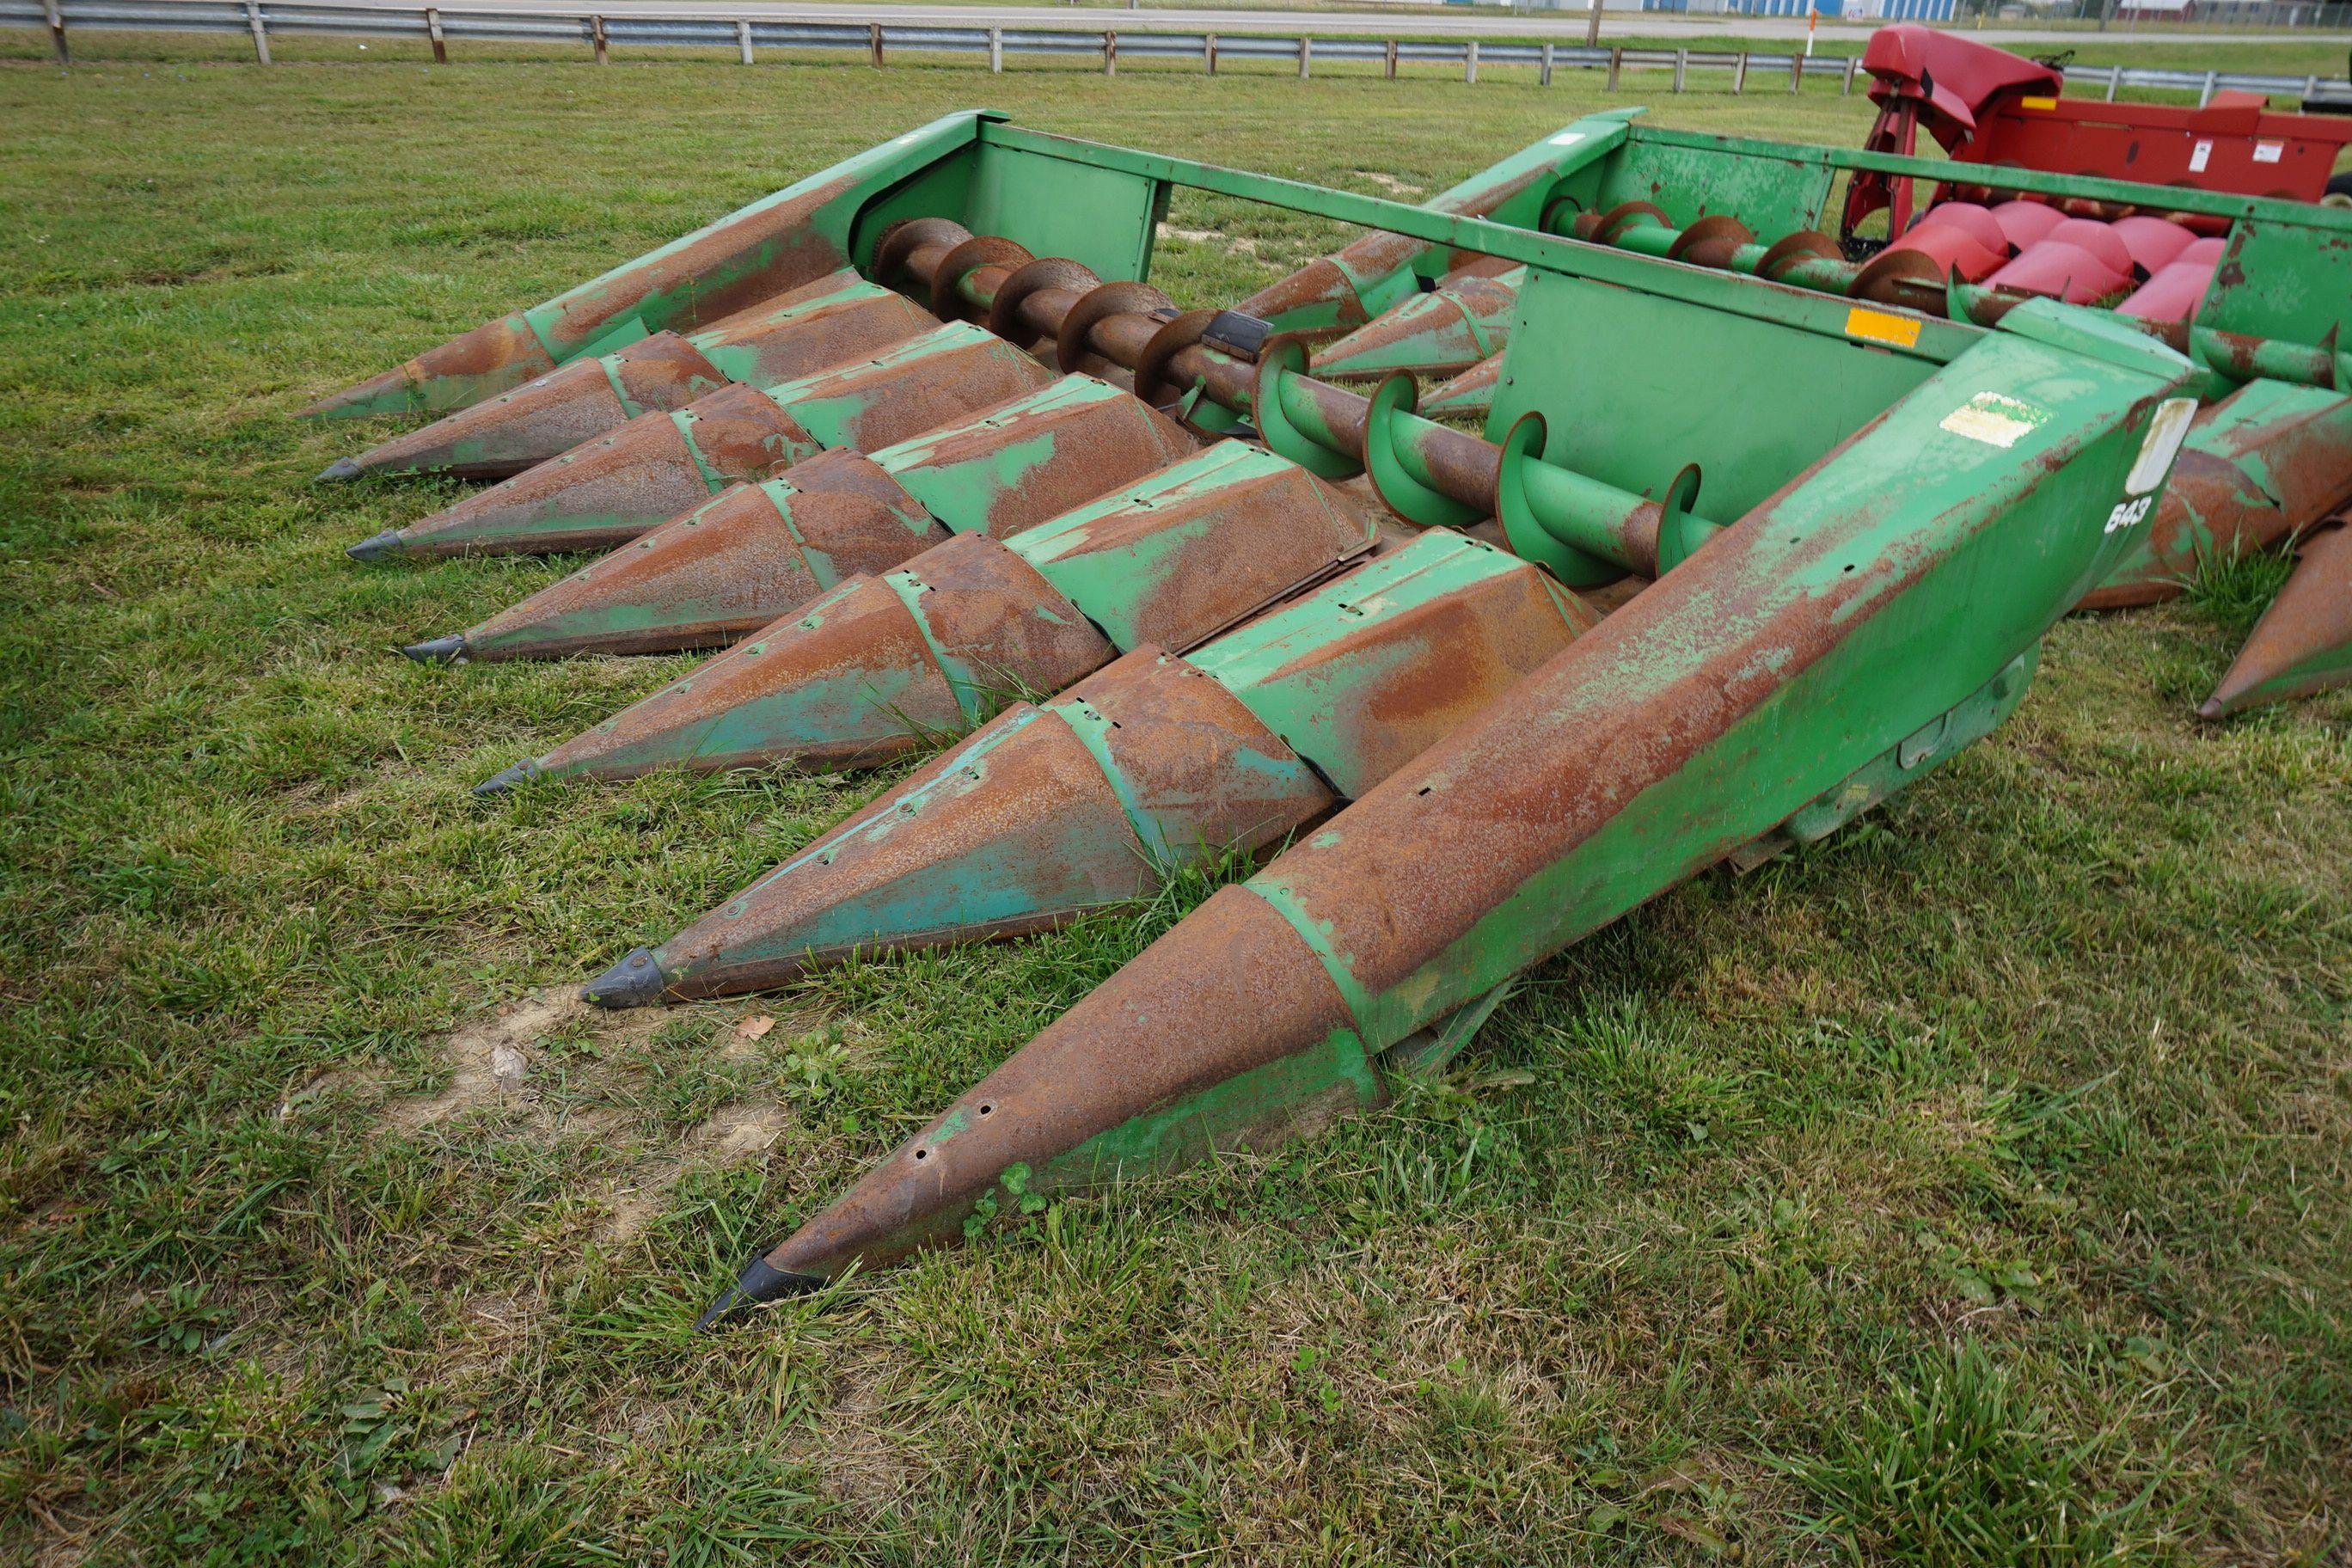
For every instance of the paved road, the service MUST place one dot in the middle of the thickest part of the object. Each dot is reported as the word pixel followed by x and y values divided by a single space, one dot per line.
pixel 1482 23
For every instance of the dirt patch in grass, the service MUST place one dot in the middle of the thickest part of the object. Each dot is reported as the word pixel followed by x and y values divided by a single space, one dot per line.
pixel 733 1133
pixel 1236 244
pixel 489 1060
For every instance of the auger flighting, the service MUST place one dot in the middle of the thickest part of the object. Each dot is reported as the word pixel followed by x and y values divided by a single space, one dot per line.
pixel 2254 291
pixel 1219 642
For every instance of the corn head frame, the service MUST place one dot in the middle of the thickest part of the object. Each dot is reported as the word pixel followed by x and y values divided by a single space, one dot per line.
pixel 1737 556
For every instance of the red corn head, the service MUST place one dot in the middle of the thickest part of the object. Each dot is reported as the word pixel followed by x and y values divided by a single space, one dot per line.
pixel 756 552
pixel 2303 644
pixel 659 465
pixel 1441 332
pixel 2178 287
pixel 1155 763
pixel 883 667
pixel 839 318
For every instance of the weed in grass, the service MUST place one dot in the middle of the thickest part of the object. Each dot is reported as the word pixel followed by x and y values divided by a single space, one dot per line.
pixel 1954 1464
pixel 2233 588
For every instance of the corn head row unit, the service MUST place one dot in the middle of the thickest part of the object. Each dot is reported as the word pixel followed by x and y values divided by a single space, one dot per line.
pixel 1755 536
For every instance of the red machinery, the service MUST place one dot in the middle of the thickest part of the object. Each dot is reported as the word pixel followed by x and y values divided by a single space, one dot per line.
pixel 1984 105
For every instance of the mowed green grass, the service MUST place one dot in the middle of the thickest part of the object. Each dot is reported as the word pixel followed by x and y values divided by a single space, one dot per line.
pixel 1969 1188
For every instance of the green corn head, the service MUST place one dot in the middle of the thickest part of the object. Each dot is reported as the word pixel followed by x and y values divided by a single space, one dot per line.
pixel 1739 552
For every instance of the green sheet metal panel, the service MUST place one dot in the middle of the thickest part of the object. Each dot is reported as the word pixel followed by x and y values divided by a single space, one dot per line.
pixel 1774 188
pixel 2285 277
pixel 1102 217
pixel 1272 664
pixel 1648 385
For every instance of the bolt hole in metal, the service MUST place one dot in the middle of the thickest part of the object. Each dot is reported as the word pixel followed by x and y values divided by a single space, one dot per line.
pixel 923 1154
pixel 986 1109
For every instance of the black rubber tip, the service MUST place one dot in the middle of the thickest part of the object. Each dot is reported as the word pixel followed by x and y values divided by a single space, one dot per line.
pixel 341 468
pixel 506 779
pixel 760 1283
pixel 388 543
pixel 438 650
pixel 637 981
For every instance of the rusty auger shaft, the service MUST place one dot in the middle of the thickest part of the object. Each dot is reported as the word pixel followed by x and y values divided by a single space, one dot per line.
pixel 1585 531
pixel 1915 280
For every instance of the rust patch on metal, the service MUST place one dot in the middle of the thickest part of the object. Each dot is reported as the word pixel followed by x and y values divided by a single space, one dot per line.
pixel 784 248
pixel 1150 370
pixel 989 610
pixel 1242 971
pixel 846 509
pixel 1072 331
pixel 1037 782
pixel 904 399
pixel 613 488
pixel 1220 554
pixel 1392 883
pixel 1097 449
pixel 2299 646
pixel 912 247
pixel 950 301
pixel 1321 280
pixel 1405 683
pixel 641 471
pixel 832 335
pixel 733 562
pixel 663 371
pixel 1183 743
pixel 509 433
pixel 1473 390
pixel 1006 310
pixel 743 434
pixel 2270 478
pixel 859 640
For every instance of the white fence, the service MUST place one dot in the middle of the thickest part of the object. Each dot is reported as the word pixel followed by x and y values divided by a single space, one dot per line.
pixel 260 20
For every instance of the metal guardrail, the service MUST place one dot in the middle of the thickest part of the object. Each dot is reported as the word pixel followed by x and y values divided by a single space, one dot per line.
pixel 259 20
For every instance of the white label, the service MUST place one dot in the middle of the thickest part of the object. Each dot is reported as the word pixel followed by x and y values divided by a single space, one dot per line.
pixel 1994 419
pixel 2268 151
pixel 2127 513
pixel 2166 430
pixel 2199 156
pixel 1566 139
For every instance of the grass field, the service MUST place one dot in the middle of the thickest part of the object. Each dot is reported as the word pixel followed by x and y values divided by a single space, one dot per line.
pixel 1968 1189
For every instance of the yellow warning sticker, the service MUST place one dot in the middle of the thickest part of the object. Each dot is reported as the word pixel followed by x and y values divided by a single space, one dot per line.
pixel 2037 103
pixel 1882 327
